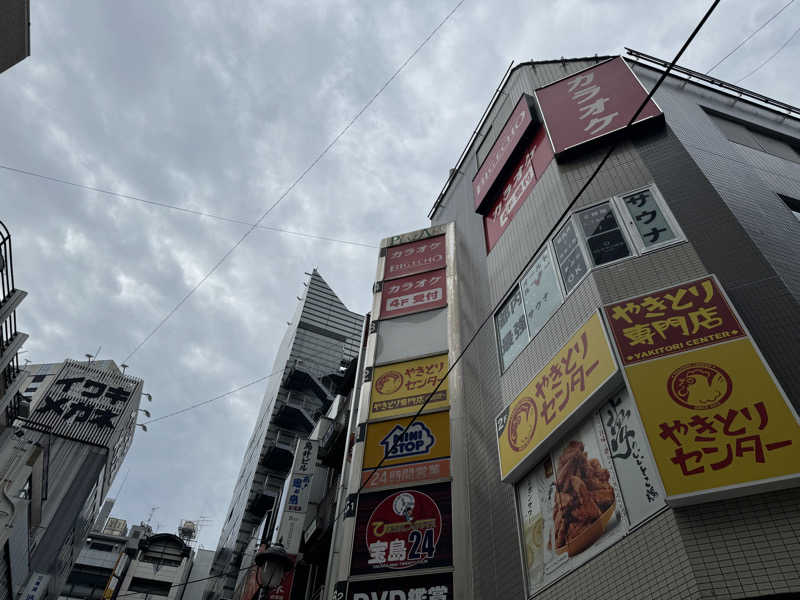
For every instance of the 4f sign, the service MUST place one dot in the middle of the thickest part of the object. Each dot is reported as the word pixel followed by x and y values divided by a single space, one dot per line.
pixel 402 442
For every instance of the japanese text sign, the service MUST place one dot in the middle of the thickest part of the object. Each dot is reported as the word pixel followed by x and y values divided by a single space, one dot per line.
pixel 404 529
pixel 515 128
pixel 716 420
pixel 592 103
pixel 413 294
pixel 401 388
pixel 437 586
pixel 673 320
pixel 555 398
pixel 296 492
pixel 515 190
pixel 87 404
pixel 415 257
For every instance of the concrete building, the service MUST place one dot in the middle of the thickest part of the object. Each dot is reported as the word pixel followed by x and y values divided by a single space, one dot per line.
pixel 15 32
pixel 322 338
pixel 624 425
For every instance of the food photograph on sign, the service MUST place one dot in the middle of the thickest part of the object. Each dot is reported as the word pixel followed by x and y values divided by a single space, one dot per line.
pixel 400 389
pixel 407 452
pixel 410 528
pixel 570 505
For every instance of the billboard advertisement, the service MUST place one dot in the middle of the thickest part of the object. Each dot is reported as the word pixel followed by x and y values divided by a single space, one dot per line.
pixel 570 506
pixel 401 388
pixel 592 103
pixel 437 586
pixel 413 294
pixel 507 142
pixel 557 396
pixel 296 491
pixel 425 443
pixel 403 530
pixel 87 404
pixel 415 257
pixel 716 421
pixel 673 320
pixel 515 190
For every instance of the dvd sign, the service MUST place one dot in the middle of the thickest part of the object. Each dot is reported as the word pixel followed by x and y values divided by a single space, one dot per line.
pixel 438 586
pixel 402 442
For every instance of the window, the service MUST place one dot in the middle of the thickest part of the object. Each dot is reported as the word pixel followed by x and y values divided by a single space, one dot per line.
pixel 603 234
pixel 627 225
pixel 512 331
pixel 793 204
pixel 570 258
pixel 757 138
pixel 149 586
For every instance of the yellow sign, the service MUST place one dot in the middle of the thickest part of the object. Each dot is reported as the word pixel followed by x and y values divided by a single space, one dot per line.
pixel 401 388
pixel 715 418
pixel 555 395
pixel 427 438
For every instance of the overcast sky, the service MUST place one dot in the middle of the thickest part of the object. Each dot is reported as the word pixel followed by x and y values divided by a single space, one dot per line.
pixel 218 107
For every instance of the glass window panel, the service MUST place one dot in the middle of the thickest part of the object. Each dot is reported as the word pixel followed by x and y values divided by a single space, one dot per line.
pixel 603 234
pixel 648 218
pixel 540 292
pixel 512 331
pixel 569 256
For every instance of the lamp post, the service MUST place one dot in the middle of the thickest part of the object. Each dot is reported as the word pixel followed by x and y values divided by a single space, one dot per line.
pixel 273 563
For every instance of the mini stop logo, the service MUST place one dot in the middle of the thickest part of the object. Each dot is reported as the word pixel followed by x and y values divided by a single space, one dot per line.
pixel 403 530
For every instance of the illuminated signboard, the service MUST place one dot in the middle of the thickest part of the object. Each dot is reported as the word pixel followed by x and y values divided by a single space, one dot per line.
pixel 414 257
pixel 592 103
pixel 584 368
pixel 413 294
pixel 401 388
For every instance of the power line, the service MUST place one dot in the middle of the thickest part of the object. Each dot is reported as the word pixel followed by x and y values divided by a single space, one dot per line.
pixel 747 39
pixel 190 211
pixel 566 211
pixel 774 54
pixel 294 184
pixel 174 585
pixel 210 400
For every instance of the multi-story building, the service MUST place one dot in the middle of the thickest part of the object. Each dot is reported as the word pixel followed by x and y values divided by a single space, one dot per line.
pixel 623 419
pixel 11 340
pixel 15 31
pixel 322 338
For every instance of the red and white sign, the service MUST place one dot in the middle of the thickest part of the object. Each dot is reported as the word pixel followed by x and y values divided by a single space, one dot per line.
pixel 528 171
pixel 413 294
pixel 592 103
pixel 414 257
pixel 508 140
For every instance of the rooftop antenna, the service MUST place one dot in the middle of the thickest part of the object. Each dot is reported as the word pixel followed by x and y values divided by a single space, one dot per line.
pixel 124 366
pixel 152 512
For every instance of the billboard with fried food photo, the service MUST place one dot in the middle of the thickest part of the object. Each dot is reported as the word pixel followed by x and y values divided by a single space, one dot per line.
pixel 570 506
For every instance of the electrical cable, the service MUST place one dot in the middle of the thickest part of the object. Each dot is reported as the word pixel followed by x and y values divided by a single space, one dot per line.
pixel 747 39
pixel 190 211
pixel 774 54
pixel 291 187
pixel 225 574
pixel 210 400
pixel 566 211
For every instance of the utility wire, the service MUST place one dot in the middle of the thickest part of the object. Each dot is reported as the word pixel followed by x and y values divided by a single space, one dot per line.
pixel 294 184
pixel 747 39
pixel 190 211
pixel 566 211
pixel 774 54
pixel 174 585
pixel 210 400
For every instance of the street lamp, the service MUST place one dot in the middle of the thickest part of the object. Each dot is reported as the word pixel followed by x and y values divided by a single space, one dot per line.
pixel 274 563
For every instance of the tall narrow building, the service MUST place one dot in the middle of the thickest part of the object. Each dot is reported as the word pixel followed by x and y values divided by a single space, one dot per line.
pixel 323 336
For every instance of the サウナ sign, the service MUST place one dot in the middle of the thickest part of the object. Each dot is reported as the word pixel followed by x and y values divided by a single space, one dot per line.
pixel 556 397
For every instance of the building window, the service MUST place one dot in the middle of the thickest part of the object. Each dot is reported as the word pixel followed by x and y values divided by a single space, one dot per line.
pixel 603 234
pixel 793 204
pixel 149 586
pixel 512 330
pixel 623 226
pixel 757 138
pixel 571 261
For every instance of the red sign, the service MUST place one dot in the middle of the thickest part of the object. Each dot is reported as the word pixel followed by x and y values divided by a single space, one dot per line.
pixel 404 529
pixel 253 583
pixel 508 140
pixel 677 319
pixel 413 294
pixel 592 103
pixel 528 171
pixel 405 474
pixel 414 257
pixel 284 590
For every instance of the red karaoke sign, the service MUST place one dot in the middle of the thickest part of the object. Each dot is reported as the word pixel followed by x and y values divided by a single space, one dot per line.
pixel 508 140
pixel 414 257
pixel 413 294
pixel 515 190
pixel 592 103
